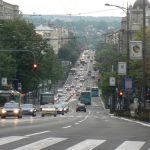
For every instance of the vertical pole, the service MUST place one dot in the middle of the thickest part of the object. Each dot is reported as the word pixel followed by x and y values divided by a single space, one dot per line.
pixel 128 42
pixel 144 52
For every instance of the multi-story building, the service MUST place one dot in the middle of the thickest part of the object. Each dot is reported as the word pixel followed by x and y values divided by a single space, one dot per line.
pixel 135 22
pixel 56 37
pixel 8 11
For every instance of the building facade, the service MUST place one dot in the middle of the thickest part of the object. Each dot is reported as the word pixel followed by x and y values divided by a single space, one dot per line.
pixel 135 22
pixel 56 37
pixel 8 11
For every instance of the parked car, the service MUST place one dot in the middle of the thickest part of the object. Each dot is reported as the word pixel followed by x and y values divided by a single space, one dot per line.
pixel 11 109
pixel 48 109
pixel 28 109
pixel 80 107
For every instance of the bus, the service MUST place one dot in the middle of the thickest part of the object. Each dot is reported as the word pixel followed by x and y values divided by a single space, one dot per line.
pixel 85 97
pixel 95 92
pixel 10 95
pixel 46 98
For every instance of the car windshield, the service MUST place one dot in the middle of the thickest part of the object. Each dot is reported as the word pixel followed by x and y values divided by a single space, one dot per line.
pixel 27 106
pixel 11 105
pixel 48 106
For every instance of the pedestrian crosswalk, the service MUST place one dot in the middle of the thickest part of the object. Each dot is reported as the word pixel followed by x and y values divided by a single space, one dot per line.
pixel 85 144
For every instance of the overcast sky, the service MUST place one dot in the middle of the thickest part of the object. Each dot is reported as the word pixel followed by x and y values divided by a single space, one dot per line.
pixel 73 7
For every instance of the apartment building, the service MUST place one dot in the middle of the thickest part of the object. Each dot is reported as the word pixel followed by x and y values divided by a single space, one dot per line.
pixel 8 11
pixel 56 37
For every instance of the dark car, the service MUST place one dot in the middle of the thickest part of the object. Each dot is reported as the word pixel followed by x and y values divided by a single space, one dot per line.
pixel 80 107
pixel 11 109
pixel 28 109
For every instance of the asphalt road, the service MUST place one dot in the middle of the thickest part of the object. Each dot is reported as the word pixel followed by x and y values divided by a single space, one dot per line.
pixel 96 129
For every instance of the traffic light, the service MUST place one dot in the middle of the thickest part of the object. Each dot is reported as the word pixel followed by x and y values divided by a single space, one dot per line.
pixel 120 94
pixel 34 66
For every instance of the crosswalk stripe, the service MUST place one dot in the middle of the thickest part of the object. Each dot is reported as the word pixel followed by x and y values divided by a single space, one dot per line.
pixel 41 144
pixel 10 139
pixel 88 144
pixel 133 145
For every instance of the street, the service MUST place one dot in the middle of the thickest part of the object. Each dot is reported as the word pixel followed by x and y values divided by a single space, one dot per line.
pixel 95 129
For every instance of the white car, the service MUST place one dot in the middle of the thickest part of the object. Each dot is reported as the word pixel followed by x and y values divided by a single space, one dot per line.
pixel 48 110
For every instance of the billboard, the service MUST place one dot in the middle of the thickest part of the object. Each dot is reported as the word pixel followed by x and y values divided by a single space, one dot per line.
pixel 136 50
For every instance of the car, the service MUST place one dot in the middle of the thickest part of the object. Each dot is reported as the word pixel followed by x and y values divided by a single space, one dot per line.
pixel 82 79
pixel 88 88
pixel 80 107
pixel 60 108
pixel 28 109
pixel 48 109
pixel 11 109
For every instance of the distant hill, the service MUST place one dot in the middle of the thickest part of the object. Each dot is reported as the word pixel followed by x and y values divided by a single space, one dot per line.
pixel 52 19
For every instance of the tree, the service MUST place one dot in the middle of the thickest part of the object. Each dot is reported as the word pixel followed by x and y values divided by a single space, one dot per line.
pixel 20 35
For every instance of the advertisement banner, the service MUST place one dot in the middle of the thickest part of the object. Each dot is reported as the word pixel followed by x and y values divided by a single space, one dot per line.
pixel 122 68
pixel 136 50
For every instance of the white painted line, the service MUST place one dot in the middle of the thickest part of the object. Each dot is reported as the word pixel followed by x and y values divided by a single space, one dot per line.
pixel 37 133
pixel 66 127
pixel 133 145
pixel 138 122
pixel 41 144
pixel 88 144
pixel 10 139
pixel 76 123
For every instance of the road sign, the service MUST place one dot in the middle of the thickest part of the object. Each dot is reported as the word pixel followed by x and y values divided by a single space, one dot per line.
pixel 4 81
pixel 128 84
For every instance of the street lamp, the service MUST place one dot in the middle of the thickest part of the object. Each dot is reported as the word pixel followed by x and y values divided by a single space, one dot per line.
pixel 144 53
pixel 126 10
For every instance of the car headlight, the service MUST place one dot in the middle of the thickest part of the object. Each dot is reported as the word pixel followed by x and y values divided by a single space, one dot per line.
pixel 3 111
pixel 31 110
pixel 16 111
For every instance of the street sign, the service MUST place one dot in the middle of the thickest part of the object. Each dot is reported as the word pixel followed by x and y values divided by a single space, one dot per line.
pixel 4 81
pixel 122 68
pixel 112 81
pixel 128 84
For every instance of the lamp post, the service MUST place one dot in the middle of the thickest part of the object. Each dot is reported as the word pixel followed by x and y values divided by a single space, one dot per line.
pixel 144 53
pixel 126 10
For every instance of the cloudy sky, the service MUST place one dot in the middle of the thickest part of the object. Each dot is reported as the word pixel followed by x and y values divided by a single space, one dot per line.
pixel 73 7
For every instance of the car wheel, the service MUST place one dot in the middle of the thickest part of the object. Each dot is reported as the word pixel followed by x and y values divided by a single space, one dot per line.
pixel 42 115
pixel 20 116
pixel 34 114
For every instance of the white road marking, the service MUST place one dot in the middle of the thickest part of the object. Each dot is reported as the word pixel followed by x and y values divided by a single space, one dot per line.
pixel 138 122
pixel 37 133
pixel 6 140
pixel 88 144
pixel 41 144
pixel 76 123
pixel 133 145
pixel 66 127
